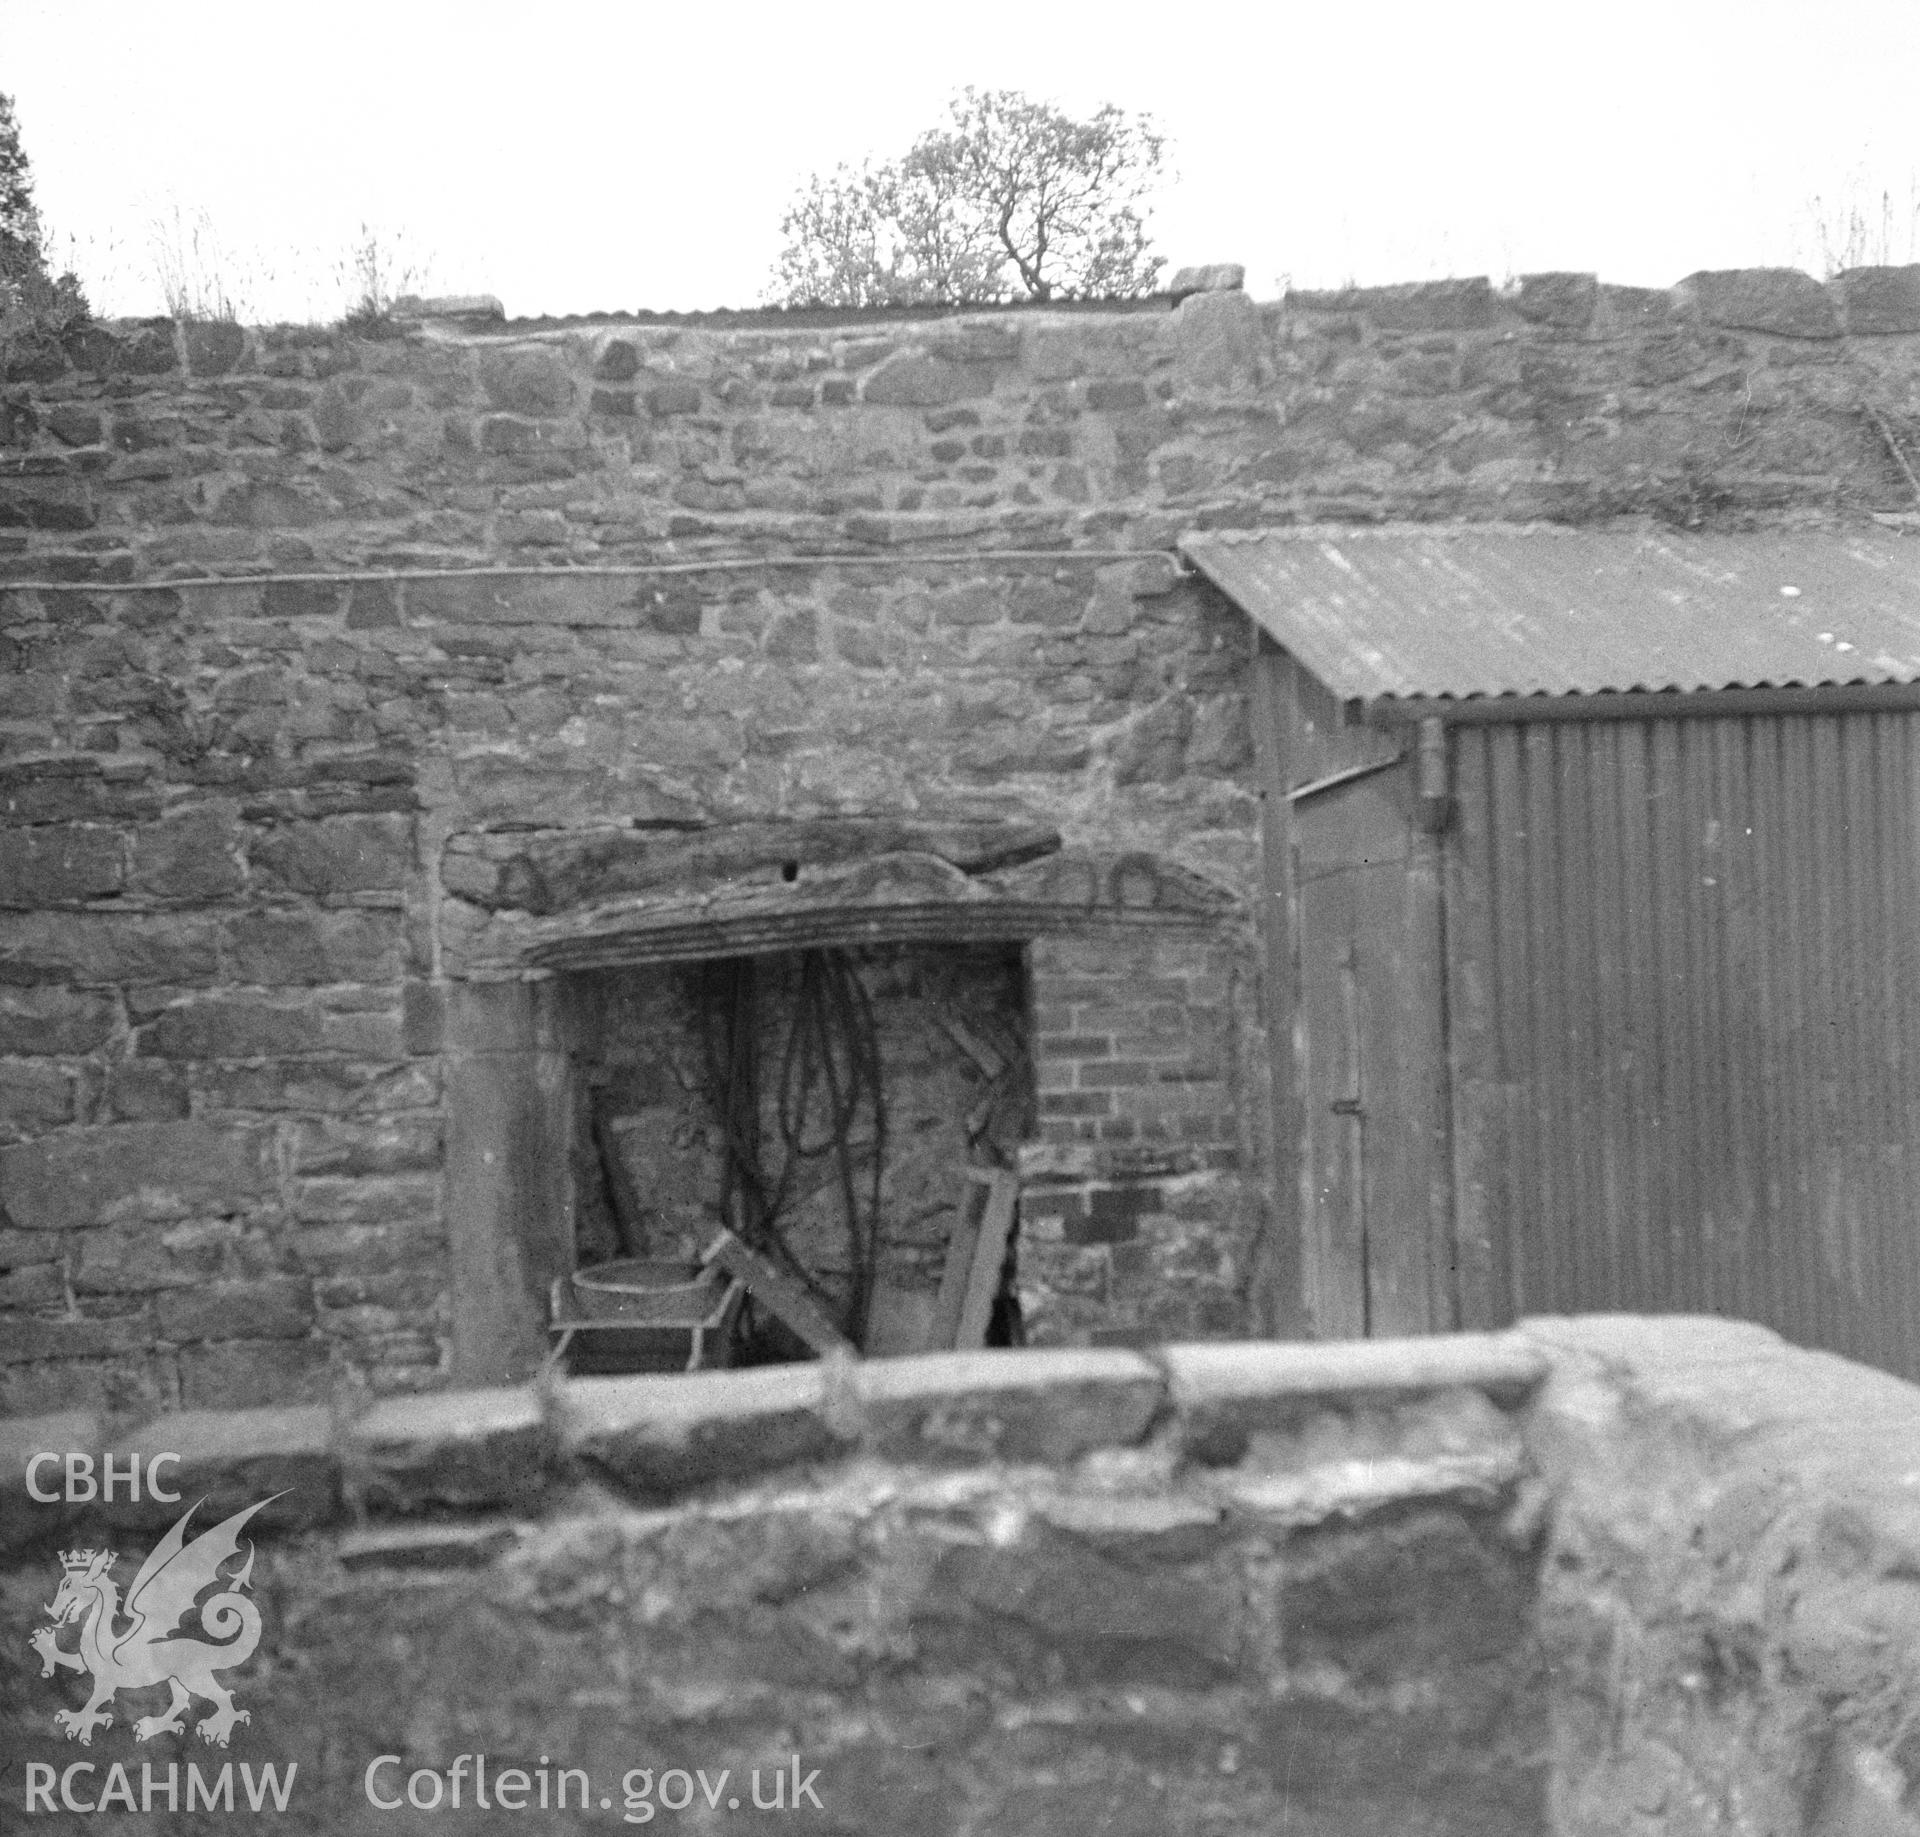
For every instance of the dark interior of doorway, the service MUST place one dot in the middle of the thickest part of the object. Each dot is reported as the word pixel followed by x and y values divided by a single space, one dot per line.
pixel 826 1105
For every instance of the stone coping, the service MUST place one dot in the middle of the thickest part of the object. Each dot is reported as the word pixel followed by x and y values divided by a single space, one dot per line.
pixel 655 1437
pixel 1719 1393
pixel 1788 301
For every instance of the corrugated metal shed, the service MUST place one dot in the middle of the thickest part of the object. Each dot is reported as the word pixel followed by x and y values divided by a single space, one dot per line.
pixel 1684 1012
pixel 1543 611
pixel 1589 999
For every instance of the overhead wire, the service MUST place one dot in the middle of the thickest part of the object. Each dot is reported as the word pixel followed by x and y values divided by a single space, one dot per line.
pixel 706 564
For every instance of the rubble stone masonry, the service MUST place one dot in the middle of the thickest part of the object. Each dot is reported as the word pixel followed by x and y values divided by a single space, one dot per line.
pixel 302 742
pixel 1594 1577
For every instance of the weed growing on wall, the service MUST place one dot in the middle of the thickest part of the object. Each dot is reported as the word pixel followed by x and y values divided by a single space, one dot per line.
pixel 1862 225
pixel 375 272
pixel 200 278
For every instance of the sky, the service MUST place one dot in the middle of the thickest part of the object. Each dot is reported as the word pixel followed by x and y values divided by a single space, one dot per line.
pixel 576 158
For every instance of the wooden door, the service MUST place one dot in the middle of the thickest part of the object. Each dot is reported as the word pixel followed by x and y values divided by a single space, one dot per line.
pixel 1368 1056
pixel 1357 1024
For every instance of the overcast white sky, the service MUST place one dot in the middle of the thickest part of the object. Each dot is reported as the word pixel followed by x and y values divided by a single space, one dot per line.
pixel 575 157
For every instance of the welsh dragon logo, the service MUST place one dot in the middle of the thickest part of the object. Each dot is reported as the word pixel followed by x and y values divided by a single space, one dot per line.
pixel 140 1644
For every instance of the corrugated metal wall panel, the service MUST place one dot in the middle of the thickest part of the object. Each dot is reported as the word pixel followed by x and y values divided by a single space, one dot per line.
pixel 1685 995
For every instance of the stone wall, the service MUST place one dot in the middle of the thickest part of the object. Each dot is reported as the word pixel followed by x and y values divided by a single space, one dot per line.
pixel 296 765
pixel 1729 1601
pixel 1590 1577
pixel 1014 1592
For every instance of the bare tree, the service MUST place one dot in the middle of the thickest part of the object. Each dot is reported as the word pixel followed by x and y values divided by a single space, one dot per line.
pixel 1013 198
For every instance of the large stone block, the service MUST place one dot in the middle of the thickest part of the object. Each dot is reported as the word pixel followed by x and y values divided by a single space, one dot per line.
pixel 132 347
pixel 230 1459
pixel 141 1257
pixel 88 947
pixel 662 1436
pixel 406 1202
pixel 913 379
pixel 423 1016
pixel 300 599
pixel 1468 1760
pixel 70 787
pixel 1881 301
pixel 287 948
pixel 618 362
pixel 343 854
pixel 974 341
pixel 146 1091
pixel 502 1017
pixel 1152 749
pixel 1563 300
pixel 192 856
pixel 1050 1406
pixel 1052 352
pixel 181 1169
pixel 54 1020
pixel 386 1145
pixel 247 1373
pixel 1459 305
pixel 77 426
pixel 327 1087
pixel 122 1387
pixel 214 346
pixel 1782 301
pixel 48 504
pixel 337 420
pixel 1046 1605
pixel 1223 1392
pixel 59 866
pixel 1355 1457
pixel 412 1248
pixel 1210 277
pixel 675 396
pixel 33 1268
pixel 33 1339
pixel 35 1096
pixel 1218 340
pixel 1414 1599
pixel 1648 1342
pixel 461 1448
pixel 234 1027
pixel 274 1307
pixel 506 600
pixel 531 382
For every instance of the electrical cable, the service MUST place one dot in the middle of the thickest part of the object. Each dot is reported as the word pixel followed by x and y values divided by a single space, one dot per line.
pixel 904 558
pixel 832 1040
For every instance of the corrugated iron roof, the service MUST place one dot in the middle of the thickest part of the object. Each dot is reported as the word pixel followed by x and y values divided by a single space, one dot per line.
pixel 1516 611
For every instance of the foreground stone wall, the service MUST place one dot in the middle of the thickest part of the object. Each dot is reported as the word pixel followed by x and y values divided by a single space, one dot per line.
pixel 1730 1597
pixel 1065 1592
pixel 1589 1577
pixel 289 755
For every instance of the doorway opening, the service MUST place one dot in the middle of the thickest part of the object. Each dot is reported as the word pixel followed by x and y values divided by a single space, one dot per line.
pixel 834 1109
